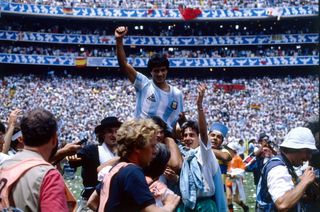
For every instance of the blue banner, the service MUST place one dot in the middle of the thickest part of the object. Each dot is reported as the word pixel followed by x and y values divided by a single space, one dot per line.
pixel 160 41
pixel 174 62
pixel 169 14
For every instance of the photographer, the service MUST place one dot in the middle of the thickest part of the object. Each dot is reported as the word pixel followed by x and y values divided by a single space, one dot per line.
pixel 279 188
pixel 314 204
pixel 260 152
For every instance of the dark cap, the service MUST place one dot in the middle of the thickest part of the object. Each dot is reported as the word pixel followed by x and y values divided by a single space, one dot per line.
pixel 263 136
pixel 108 122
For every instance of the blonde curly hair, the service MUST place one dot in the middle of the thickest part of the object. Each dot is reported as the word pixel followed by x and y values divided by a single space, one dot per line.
pixel 135 133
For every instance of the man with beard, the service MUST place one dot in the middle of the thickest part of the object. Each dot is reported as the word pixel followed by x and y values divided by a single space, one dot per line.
pixel 154 97
pixel 90 157
pixel 28 181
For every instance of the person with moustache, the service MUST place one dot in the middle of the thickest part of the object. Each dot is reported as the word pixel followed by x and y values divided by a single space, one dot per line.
pixel 28 181
pixel 155 97
pixel 218 132
pixel 90 157
pixel 279 188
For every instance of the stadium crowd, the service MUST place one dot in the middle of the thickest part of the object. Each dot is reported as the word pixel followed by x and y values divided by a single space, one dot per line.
pixel 273 105
pixel 171 4
pixel 214 52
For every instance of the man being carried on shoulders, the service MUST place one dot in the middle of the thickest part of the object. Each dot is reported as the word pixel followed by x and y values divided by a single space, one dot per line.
pixel 154 97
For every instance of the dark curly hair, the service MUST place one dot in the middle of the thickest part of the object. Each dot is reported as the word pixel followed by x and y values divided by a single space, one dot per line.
pixel 37 127
pixel 158 60
pixel 192 124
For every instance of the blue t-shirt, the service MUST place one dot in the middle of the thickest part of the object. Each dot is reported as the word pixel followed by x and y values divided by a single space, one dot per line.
pixel 129 191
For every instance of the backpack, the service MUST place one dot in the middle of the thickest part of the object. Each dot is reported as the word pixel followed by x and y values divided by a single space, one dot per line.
pixel 8 178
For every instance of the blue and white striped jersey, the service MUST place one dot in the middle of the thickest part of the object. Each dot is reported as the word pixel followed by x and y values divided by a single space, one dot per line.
pixel 152 101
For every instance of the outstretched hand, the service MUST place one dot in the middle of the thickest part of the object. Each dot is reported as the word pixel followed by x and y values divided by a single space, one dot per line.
pixel 120 32
pixel 201 91
pixel 14 116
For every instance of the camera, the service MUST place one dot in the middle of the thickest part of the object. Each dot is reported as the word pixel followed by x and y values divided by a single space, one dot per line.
pixel 317 174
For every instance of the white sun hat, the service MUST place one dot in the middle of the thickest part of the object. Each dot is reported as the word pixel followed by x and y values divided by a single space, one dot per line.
pixel 299 138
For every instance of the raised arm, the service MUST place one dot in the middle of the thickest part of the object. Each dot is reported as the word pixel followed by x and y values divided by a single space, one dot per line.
pixel 175 161
pixel 11 124
pixel 131 73
pixel 201 117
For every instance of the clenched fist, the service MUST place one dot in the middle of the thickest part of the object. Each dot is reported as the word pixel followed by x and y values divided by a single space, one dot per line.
pixel 120 32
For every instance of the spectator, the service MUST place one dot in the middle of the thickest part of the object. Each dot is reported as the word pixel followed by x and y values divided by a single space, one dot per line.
pixel 234 181
pixel 242 148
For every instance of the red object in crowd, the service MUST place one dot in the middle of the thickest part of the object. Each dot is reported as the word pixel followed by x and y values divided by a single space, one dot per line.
pixel 189 13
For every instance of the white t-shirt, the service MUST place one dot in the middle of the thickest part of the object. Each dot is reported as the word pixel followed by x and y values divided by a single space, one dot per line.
pixel 3 157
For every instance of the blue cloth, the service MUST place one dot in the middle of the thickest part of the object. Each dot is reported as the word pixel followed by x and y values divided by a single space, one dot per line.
pixel 220 197
pixel 190 179
pixel 220 128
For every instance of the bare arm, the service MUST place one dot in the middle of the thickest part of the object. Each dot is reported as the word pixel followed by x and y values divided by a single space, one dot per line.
pixel 175 161
pixel 291 198
pixel 67 150
pixel 220 155
pixel 201 117
pixel 131 73
pixel 11 124
pixel 93 201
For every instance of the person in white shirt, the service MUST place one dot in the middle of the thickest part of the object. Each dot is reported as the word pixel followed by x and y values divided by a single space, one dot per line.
pixel 279 188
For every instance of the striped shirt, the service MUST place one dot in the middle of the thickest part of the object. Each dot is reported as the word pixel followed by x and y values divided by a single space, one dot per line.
pixel 152 101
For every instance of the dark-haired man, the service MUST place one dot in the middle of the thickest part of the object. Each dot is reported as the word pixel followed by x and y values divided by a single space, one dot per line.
pixel 202 190
pixel 38 186
pixel 154 97
pixel 91 156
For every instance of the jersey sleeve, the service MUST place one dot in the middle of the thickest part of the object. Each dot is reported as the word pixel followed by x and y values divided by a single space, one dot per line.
pixel 140 81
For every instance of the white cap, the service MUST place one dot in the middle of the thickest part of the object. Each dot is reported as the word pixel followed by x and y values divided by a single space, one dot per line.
pixel 299 138
pixel 234 146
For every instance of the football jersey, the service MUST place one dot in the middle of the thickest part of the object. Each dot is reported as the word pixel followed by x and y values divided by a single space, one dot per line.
pixel 152 101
